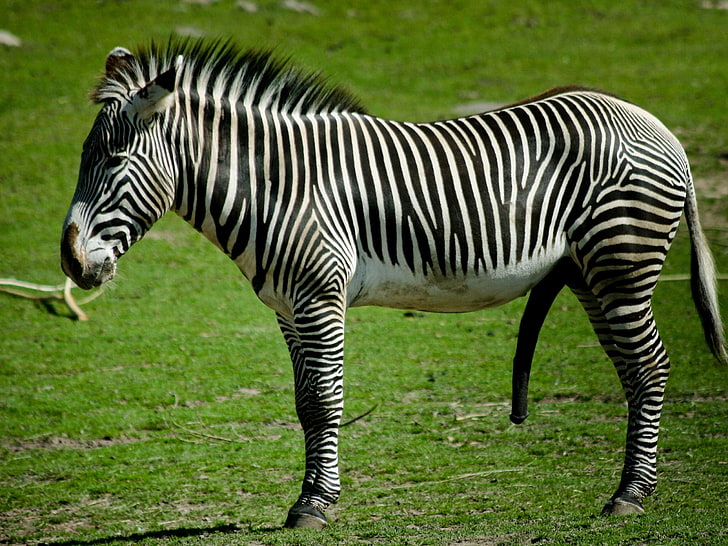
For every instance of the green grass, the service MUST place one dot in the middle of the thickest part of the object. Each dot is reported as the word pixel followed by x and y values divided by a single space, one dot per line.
pixel 168 417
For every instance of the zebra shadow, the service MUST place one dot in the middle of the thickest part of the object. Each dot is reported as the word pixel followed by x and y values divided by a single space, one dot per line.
pixel 163 534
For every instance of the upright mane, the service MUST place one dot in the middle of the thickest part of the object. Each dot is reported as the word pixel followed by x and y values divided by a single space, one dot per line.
pixel 251 77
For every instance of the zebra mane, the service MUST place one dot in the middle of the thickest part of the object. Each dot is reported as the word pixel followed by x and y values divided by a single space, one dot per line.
pixel 252 77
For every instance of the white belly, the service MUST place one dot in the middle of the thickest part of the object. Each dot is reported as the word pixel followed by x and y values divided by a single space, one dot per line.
pixel 385 285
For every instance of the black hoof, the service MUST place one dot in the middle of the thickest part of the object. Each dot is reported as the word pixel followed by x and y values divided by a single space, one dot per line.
pixel 305 516
pixel 623 506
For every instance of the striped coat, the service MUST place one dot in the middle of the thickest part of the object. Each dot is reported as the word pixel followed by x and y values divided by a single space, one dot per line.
pixel 323 206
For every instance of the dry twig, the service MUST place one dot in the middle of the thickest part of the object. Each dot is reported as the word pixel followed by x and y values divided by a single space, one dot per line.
pixel 61 292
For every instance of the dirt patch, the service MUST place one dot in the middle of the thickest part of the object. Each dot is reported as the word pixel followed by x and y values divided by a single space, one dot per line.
pixel 69 519
pixel 159 234
pixel 64 442
pixel 697 398
pixel 712 192
pixel 713 186
pixel 475 541
pixel 81 517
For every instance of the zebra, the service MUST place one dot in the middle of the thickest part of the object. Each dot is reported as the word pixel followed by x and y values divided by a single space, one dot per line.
pixel 323 206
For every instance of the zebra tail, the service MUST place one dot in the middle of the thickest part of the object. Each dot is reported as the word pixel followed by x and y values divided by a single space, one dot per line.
pixel 703 281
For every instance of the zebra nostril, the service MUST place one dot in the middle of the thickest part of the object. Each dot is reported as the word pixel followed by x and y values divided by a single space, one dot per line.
pixel 108 267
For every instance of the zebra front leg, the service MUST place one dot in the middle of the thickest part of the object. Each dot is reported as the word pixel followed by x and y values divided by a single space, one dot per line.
pixel 315 342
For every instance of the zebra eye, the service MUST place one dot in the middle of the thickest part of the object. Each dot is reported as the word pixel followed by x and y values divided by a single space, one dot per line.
pixel 114 161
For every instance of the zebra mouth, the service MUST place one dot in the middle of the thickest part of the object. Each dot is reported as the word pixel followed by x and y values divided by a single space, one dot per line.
pixel 86 269
pixel 97 273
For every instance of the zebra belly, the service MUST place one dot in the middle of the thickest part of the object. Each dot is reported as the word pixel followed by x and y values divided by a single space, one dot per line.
pixel 387 285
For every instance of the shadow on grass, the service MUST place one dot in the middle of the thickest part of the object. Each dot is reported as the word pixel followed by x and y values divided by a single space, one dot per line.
pixel 170 533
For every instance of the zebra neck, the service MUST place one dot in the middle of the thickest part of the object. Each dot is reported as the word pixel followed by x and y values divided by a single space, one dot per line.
pixel 215 184
pixel 237 171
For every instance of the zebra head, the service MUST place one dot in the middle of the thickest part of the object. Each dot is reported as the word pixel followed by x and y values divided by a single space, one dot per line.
pixel 127 173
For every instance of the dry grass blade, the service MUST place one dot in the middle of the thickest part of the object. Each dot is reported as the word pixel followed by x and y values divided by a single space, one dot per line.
pixel 355 419
pixel 203 435
pixel 459 477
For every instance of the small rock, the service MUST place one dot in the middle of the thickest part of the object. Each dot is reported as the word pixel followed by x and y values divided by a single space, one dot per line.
pixel 719 4
pixel 190 32
pixel 249 7
pixel 9 39
pixel 301 7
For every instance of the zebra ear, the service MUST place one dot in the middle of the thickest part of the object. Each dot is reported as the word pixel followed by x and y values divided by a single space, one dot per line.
pixel 156 96
pixel 117 57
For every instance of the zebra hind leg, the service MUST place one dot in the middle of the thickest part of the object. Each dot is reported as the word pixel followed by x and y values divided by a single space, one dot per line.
pixel 630 338
pixel 643 370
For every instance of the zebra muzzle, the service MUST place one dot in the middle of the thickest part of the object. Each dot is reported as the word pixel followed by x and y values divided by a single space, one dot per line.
pixel 87 270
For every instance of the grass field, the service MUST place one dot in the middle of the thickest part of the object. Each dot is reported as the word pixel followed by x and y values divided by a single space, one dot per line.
pixel 168 417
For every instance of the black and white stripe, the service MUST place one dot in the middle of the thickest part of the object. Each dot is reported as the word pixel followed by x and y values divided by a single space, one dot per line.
pixel 323 207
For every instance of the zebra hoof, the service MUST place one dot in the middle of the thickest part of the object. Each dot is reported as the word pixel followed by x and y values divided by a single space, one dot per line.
pixel 623 506
pixel 305 516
